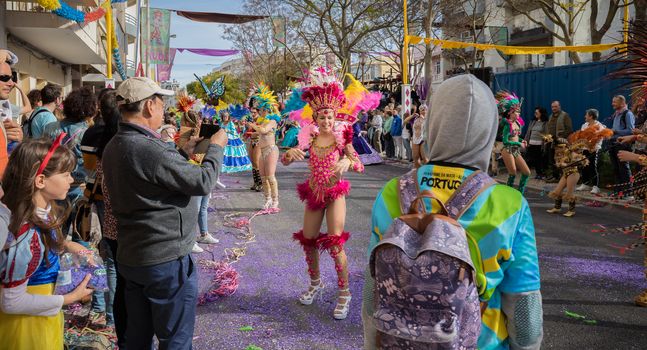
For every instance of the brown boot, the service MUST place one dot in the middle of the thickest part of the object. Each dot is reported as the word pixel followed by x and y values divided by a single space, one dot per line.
pixel 558 204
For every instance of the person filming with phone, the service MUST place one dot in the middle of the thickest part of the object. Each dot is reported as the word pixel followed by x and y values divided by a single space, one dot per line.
pixel 155 191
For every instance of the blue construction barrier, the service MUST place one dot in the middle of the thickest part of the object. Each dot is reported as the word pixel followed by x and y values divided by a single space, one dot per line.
pixel 577 87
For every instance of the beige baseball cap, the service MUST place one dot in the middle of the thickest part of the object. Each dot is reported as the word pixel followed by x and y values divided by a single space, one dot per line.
pixel 139 88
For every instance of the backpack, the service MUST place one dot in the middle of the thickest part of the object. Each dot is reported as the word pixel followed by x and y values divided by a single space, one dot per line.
pixel 86 224
pixel 26 125
pixel 425 280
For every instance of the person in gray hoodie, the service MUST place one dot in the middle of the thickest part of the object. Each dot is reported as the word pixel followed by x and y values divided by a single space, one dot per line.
pixel 154 192
pixel 461 130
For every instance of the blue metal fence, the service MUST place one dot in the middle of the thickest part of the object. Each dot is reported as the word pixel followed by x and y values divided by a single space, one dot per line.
pixel 577 87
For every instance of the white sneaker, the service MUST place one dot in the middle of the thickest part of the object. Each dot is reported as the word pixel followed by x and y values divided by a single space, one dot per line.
pixel 583 187
pixel 196 249
pixel 595 190
pixel 220 185
pixel 207 238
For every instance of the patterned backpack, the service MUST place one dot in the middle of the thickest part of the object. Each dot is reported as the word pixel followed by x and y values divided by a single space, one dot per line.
pixel 425 291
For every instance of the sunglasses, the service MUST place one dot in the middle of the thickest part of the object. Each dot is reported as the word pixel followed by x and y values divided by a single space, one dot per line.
pixel 13 77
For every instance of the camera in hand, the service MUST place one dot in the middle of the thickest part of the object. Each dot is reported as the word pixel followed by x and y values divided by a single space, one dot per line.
pixel 208 130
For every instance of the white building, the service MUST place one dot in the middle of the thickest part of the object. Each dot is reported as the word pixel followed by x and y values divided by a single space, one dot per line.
pixel 53 49
pixel 499 21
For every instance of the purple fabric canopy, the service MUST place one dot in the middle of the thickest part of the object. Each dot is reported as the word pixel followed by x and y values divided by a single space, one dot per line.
pixel 218 17
pixel 210 52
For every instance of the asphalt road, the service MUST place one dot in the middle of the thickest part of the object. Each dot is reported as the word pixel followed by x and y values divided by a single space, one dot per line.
pixel 582 272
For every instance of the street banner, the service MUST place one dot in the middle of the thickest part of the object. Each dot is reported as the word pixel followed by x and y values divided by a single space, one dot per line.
pixel 406 97
pixel 164 70
pixel 157 45
pixel 278 28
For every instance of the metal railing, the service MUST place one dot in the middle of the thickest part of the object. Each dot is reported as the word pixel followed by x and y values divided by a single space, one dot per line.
pixel 132 20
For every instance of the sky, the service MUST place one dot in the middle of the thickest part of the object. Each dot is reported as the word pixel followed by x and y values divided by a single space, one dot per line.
pixel 192 34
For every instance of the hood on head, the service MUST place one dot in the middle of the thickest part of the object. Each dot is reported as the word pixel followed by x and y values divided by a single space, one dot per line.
pixel 462 122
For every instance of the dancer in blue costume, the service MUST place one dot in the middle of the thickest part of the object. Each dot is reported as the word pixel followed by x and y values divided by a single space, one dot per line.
pixel 367 154
pixel 290 139
pixel 235 157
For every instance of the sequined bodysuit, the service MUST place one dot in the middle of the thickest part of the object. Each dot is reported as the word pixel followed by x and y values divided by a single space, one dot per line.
pixel 324 186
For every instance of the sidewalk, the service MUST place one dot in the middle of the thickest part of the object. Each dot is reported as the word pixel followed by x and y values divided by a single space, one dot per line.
pixel 585 196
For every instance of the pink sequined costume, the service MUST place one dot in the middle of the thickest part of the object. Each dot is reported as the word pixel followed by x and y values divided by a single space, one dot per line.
pixel 325 95
pixel 323 186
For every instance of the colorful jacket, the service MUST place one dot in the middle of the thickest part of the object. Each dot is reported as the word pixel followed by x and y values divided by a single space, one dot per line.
pixel 505 252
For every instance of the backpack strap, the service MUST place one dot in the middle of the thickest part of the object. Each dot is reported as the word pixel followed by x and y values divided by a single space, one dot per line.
pixel 409 191
pixel 468 191
pixel 29 121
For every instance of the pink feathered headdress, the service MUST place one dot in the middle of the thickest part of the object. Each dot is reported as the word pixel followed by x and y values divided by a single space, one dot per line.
pixel 327 96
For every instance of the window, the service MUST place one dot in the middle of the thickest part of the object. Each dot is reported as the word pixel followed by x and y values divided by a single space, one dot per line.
pixel 437 65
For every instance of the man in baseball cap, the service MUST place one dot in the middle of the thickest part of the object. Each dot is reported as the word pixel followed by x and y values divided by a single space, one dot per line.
pixel 154 192
pixel 138 89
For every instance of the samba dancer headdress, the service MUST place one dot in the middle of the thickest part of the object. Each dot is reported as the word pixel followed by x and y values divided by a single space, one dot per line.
pixel 507 101
pixel 588 138
pixel 237 112
pixel 264 99
pixel 325 91
pixel 185 103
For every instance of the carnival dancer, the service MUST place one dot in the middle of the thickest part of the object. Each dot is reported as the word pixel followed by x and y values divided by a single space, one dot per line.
pixel 235 155
pixel 367 154
pixel 265 126
pixel 254 152
pixel 634 60
pixel 509 106
pixel 30 315
pixel 328 138
pixel 290 139
pixel 570 159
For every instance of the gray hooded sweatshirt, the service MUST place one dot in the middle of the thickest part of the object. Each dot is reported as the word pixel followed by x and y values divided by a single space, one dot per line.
pixel 462 124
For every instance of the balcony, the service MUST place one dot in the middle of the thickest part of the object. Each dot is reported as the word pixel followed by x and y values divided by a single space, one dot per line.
pixel 131 28
pixel 130 68
pixel 46 31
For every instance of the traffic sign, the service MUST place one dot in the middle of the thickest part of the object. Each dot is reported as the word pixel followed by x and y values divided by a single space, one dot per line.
pixel 110 83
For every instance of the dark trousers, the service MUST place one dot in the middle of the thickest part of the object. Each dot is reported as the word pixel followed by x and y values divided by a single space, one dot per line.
pixel 621 170
pixel 590 174
pixel 553 170
pixel 536 158
pixel 389 146
pixel 161 301
pixel 119 304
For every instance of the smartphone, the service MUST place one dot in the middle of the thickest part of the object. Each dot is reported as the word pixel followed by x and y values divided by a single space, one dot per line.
pixel 207 130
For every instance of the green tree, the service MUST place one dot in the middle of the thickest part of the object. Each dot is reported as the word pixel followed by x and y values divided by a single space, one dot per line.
pixel 234 89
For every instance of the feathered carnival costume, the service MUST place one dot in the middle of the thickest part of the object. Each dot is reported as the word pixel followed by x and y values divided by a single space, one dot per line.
pixel 570 159
pixel 507 104
pixel 235 157
pixel 634 69
pixel 325 92
pixel 265 101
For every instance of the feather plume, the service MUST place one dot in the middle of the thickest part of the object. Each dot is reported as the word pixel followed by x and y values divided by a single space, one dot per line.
pixel 185 103
pixel 589 137
pixel 634 61
pixel 294 102
pixel 238 112
pixel 306 134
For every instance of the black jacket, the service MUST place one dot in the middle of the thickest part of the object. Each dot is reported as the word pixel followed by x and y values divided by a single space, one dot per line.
pixel 154 195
